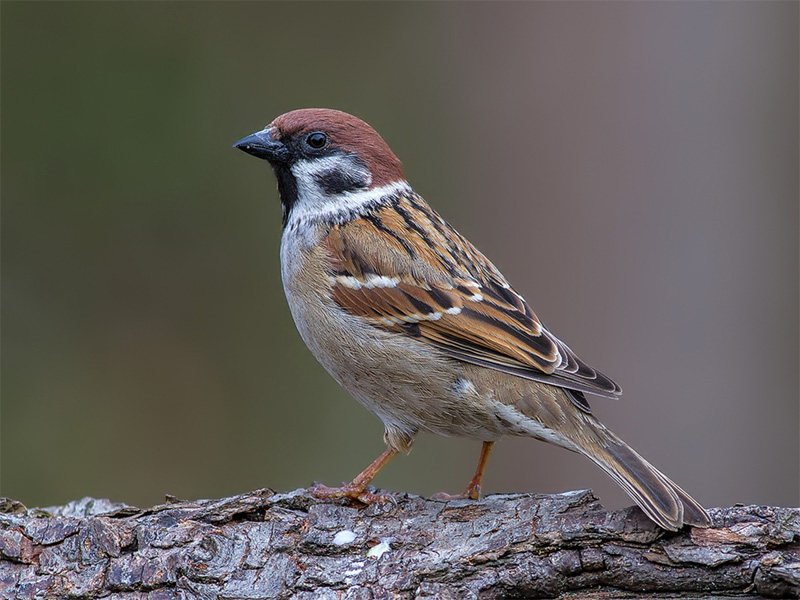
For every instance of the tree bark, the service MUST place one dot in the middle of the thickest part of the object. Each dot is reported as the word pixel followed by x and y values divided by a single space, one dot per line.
pixel 268 545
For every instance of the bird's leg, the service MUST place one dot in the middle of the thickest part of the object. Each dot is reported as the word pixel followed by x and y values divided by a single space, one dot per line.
pixel 357 489
pixel 474 486
pixel 473 490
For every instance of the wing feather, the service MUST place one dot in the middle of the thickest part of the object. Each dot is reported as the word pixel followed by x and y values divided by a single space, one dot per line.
pixel 444 292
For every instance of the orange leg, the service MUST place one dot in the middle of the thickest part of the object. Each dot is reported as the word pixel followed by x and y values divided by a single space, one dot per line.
pixel 357 489
pixel 473 490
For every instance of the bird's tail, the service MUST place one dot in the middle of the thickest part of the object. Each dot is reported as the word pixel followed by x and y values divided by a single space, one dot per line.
pixel 658 496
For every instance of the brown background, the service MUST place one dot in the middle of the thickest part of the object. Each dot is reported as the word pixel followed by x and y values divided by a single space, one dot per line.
pixel 631 167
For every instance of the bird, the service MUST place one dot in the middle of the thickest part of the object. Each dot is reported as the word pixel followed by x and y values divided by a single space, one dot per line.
pixel 418 325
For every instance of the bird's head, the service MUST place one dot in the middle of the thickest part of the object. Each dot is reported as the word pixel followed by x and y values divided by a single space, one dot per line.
pixel 327 162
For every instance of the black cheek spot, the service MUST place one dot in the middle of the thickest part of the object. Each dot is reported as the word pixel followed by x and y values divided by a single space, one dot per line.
pixel 337 181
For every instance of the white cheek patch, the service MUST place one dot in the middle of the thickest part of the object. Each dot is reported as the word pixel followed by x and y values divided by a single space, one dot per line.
pixel 306 170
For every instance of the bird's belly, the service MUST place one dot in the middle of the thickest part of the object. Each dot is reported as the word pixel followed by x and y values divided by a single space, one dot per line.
pixel 409 385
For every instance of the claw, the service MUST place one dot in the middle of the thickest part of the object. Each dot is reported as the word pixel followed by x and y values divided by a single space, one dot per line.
pixel 357 489
pixel 359 493
pixel 372 498
pixel 473 492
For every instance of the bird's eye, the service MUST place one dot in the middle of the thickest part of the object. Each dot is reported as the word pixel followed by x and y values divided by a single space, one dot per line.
pixel 317 140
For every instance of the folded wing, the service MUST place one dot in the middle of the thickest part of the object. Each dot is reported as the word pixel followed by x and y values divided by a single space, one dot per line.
pixel 430 283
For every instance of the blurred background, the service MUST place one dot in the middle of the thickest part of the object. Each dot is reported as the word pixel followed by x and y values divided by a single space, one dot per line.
pixel 632 168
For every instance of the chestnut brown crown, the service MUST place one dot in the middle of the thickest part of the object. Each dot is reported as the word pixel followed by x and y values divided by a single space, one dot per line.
pixel 346 132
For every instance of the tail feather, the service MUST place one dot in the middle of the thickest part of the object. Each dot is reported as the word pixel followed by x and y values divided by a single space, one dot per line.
pixel 693 513
pixel 558 422
pixel 659 497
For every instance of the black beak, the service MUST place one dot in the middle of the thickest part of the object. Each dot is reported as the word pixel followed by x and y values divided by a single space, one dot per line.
pixel 262 145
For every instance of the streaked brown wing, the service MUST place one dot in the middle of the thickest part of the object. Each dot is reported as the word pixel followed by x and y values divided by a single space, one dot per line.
pixel 420 277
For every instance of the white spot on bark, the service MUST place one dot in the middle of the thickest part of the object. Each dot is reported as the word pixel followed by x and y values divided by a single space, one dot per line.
pixel 379 550
pixel 344 537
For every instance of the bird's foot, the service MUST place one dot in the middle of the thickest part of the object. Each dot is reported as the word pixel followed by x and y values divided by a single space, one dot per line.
pixel 473 492
pixel 354 492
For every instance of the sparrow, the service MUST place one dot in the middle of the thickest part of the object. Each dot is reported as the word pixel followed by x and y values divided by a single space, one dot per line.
pixel 419 326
